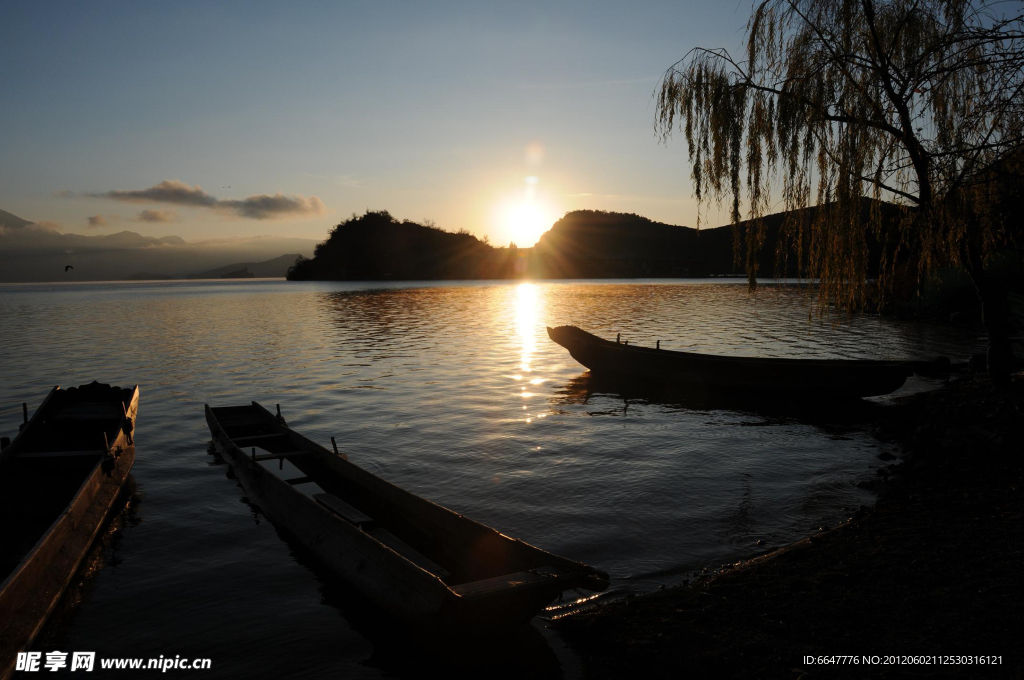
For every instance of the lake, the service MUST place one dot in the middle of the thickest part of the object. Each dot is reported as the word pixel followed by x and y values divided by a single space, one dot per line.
pixel 454 392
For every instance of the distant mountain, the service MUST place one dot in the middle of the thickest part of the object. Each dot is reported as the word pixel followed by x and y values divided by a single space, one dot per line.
pixel 278 267
pixel 33 252
pixel 147 276
pixel 9 221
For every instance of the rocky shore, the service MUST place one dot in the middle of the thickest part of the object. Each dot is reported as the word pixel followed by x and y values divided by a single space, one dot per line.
pixel 934 570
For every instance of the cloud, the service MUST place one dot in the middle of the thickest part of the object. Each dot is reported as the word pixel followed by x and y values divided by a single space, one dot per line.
pixel 263 206
pixel 168 191
pixel 64 194
pixel 157 216
pixel 256 207
pixel 96 221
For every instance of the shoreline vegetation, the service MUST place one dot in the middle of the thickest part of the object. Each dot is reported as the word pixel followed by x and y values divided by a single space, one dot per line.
pixel 932 569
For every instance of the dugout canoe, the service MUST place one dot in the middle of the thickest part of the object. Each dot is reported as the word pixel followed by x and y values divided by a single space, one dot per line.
pixel 420 562
pixel 741 376
pixel 59 480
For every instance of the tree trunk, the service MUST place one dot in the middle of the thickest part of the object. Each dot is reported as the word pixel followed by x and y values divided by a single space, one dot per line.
pixel 996 317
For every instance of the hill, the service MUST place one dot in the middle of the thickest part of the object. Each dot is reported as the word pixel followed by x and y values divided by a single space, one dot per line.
pixel 34 252
pixel 9 221
pixel 583 244
pixel 275 268
pixel 376 246
pixel 598 244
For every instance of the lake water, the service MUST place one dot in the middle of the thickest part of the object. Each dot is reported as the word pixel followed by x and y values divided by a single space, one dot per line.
pixel 454 392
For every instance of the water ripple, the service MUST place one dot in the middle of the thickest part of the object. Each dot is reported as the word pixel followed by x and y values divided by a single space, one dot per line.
pixel 452 391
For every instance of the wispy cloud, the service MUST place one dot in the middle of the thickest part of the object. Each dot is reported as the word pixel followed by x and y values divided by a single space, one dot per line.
pixel 96 221
pixel 168 191
pixel 262 206
pixel 157 216
pixel 257 206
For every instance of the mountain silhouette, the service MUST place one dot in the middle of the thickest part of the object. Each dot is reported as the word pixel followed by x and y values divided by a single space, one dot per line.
pixel 36 252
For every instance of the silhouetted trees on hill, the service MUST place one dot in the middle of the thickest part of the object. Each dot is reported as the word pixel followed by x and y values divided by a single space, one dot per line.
pixel 595 244
pixel 583 244
pixel 376 246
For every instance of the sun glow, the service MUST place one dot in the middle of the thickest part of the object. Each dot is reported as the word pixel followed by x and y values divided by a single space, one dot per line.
pixel 525 221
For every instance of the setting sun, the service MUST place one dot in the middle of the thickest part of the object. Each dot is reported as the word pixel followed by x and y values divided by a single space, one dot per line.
pixel 524 222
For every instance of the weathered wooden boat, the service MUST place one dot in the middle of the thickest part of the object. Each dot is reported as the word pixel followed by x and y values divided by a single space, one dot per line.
pixel 59 480
pixel 417 560
pixel 741 376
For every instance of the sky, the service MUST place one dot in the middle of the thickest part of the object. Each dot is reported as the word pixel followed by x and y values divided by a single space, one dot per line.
pixel 219 120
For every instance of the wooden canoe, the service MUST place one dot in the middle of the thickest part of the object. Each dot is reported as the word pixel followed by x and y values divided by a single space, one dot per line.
pixel 418 561
pixel 741 376
pixel 59 480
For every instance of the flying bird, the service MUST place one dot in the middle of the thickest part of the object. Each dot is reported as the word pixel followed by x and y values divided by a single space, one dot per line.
pixel 67 268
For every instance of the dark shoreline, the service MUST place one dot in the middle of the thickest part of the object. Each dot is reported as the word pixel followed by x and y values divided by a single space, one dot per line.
pixel 933 569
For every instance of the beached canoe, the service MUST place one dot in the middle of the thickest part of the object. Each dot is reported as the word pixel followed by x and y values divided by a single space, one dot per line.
pixel 59 480
pixel 421 562
pixel 740 376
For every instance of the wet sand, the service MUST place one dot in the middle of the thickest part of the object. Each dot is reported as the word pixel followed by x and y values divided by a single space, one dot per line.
pixel 934 569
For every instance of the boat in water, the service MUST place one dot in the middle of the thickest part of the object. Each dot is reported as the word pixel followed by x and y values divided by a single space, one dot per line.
pixel 59 480
pixel 740 376
pixel 422 563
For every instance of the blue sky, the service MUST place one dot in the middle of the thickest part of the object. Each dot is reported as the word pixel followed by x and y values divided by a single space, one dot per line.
pixel 430 110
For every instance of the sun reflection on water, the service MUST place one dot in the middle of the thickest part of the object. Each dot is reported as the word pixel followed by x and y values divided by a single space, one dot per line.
pixel 526 323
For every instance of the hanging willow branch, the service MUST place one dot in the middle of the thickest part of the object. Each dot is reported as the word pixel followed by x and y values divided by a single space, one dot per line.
pixel 844 104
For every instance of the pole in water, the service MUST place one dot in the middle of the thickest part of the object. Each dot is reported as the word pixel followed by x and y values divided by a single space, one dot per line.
pixel 658 345
pixel 278 410
pixel 335 445
pixel 617 336
pixel 24 412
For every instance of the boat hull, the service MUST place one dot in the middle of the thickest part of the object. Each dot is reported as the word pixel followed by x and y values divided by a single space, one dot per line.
pixel 33 588
pixel 738 376
pixel 494 580
pixel 342 547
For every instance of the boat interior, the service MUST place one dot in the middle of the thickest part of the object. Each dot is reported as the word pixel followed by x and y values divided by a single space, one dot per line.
pixel 50 460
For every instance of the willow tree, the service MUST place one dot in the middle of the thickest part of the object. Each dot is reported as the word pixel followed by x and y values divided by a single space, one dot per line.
pixel 915 103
